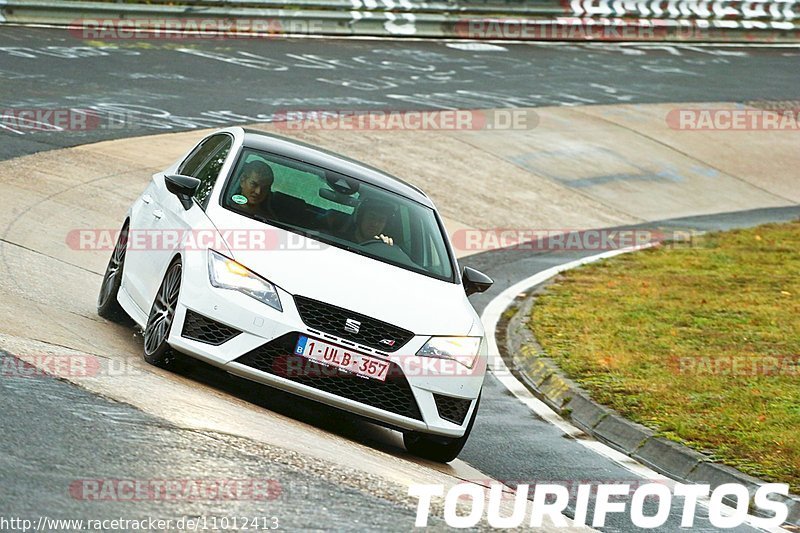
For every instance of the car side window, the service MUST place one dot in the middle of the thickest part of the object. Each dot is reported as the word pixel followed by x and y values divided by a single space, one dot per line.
pixel 205 163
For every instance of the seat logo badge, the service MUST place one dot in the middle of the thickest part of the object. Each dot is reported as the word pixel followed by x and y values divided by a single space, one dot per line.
pixel 387 342
pixel 352 326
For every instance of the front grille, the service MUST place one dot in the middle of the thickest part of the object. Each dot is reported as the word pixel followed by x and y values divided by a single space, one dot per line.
pixel 276 357
pixel 452 409
pixel 332 320
pixel 200 328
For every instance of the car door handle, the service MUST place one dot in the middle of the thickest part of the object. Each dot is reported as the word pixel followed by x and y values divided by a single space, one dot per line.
pixel 146 198
pixel 158 213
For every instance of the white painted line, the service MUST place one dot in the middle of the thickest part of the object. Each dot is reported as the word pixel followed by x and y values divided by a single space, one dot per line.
pixel 491 314
pixel 477 47
pixel 490 318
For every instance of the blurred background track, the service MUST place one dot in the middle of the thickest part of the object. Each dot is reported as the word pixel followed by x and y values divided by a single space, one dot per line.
pixel 573 20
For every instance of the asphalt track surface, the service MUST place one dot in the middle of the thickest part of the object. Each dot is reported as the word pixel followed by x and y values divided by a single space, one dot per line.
pixel 58 437
pixel 160 86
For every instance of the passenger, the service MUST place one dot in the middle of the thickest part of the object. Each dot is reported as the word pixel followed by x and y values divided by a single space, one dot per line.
pixel 256 182
pixel 371 217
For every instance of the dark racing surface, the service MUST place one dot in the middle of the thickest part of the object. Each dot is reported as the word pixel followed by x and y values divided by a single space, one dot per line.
pixel 68 454
pixel 160 85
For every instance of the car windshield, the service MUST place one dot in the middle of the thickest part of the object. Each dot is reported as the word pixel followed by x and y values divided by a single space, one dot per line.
pixel 338 210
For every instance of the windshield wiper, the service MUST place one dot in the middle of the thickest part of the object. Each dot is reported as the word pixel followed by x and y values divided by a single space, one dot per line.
pixel 261 219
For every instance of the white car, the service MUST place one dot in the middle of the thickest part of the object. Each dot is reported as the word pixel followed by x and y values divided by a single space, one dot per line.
pixel 306 271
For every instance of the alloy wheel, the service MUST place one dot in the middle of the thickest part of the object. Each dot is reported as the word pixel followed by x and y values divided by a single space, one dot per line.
pixel 163 312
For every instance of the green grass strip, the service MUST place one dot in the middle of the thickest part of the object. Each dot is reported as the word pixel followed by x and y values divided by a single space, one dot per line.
pixel 700 343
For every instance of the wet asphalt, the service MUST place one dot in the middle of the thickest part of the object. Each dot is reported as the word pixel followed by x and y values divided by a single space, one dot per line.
pixel 70 454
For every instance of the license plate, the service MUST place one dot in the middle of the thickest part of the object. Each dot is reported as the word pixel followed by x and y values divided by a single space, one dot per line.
pixel 332 355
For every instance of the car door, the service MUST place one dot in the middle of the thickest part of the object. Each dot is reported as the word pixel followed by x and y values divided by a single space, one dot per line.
pixel 137 256
pixel 169 223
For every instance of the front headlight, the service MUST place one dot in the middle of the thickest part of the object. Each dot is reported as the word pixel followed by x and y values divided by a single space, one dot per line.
pixel 226 273
pixel 461 349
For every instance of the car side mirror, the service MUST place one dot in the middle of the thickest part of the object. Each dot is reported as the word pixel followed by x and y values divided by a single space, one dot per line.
pixel 475 281
pixel 183 187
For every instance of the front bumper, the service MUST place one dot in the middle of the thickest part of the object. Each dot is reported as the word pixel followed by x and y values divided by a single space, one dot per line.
pixel 254 341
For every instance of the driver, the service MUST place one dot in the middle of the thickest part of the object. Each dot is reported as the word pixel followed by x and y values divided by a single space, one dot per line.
pixel 371 217
pixel 256 183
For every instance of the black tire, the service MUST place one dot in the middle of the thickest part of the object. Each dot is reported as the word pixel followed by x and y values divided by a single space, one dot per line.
pixel 435 448
pixel 107 305
pixel 159 322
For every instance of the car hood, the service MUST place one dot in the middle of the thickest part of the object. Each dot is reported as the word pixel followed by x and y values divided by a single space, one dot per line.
pixel 305 267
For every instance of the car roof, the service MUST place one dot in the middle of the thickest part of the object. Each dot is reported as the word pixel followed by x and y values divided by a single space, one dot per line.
pixel 314 155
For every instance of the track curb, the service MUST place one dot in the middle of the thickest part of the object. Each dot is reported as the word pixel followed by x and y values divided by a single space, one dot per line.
pixel 544 379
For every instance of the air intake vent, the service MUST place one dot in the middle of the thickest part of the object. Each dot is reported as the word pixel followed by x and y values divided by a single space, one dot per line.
pixel 202 329
pixel 452 409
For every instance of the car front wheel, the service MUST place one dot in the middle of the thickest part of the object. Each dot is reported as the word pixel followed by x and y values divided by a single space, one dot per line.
pixel 435 448
pixel 159 323
pixel 107 305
